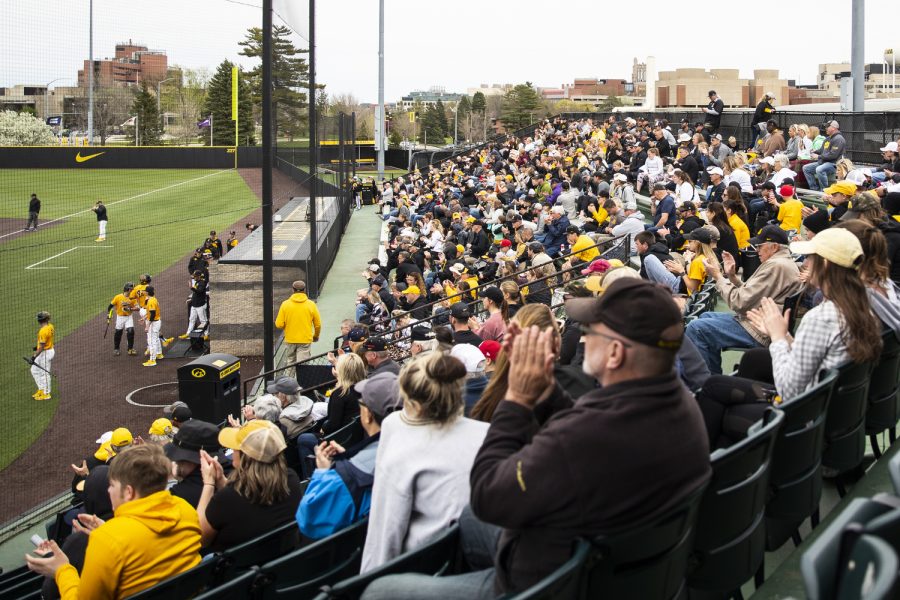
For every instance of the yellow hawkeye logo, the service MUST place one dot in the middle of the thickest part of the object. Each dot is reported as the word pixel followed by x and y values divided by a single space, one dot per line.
pixel 198 372
pixel 79 158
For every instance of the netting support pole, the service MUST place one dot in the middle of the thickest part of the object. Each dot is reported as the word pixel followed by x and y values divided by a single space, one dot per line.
pixel 313 275
pixel 267 222
pixel 857 54
pixel 90 115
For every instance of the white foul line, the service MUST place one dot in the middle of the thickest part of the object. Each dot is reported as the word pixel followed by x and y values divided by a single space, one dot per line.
pixel 58 255
pixel 75 214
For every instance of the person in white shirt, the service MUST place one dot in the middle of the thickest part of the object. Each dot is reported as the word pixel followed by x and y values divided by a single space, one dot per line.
pixel 423 461
pixel 653 170
pixel 684 188
pixel 633 223
pixel 734 171
pixel 781 170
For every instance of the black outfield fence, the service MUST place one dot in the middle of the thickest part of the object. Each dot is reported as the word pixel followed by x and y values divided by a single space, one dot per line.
pixel 128 157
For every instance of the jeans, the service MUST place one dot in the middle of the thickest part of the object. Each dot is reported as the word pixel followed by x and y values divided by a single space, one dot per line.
pixel 361 310
pixel 712 332
pixel 33 221
pixel 754 208
pixel 658 273
pixel 479 545
pixel 306 446
pixel 817 175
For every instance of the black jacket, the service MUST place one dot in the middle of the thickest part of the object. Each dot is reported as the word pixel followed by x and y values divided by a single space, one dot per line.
pixel 481 243
pixel 760 115
pixel 34 205
pixel 547 478
pixel 891 230
pixel 660 251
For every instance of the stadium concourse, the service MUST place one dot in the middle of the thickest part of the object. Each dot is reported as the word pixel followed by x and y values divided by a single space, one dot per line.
pixel 529 393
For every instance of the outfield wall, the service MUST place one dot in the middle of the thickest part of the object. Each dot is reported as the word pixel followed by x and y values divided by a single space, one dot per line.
pixel 128 157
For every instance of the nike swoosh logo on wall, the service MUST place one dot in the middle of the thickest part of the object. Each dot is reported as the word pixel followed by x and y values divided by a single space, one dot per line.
pixel 81 159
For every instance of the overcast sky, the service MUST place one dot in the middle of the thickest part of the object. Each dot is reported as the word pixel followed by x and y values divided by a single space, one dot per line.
pixel 457 44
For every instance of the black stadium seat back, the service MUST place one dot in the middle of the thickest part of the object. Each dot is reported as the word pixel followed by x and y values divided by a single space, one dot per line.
pixel 647 561
pixel 183 585
pixel 301 573
pixel 13 573
pixel 564 582
pixel 844 559
pixel 730 539
pixel 795 478
pixel 441 556
pixel 262 549
pixel 22 586
pixel 845 425
pixel 884 401
pixel 348 435
pixel 238 588
pixel 894 470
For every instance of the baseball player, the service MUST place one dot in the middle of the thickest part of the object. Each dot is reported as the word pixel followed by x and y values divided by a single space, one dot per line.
pixel 152 325
pixel 197 303
pixel 43 355
pixel 139 296
pixel 100 210
pixel 123 307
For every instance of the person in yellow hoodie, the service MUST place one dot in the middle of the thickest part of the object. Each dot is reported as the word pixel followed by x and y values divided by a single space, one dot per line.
pixel 153 535
pixel 299 317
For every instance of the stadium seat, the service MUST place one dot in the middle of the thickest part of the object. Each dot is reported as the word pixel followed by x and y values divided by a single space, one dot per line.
pixel 301 573
pixel 442 556
pixel 884 400
pixel 647 561
pixel 184 585
pixel 348 435
pixel 731 535
pixel 260 550
pixel 239 588
pixel 845 425
pixel 894 470
pixel 12 574
pixel 24 585
pixel 847 563
pixel 795 480
pixel 564 582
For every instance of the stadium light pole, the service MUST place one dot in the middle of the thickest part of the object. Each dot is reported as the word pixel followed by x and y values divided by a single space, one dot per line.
pixel 857 54
pixel 379 142
pixel 313 275
pixel 47 96
pixel 267 221
pixel 91 73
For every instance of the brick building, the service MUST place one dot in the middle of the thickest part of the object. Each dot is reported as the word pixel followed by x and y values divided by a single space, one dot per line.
pixel 133 64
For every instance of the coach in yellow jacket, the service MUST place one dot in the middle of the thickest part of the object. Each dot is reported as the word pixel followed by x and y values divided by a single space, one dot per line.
pixel 299 317
pixel 153 536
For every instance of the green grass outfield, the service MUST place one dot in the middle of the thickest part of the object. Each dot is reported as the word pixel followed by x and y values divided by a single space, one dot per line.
pixel 155 218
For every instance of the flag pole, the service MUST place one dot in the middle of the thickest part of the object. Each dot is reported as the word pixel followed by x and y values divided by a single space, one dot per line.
pixel 234 110
pixel 210 130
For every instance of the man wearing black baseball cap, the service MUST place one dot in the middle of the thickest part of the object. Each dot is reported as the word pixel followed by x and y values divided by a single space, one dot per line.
pixel 376 354
pixel 651 425
pixel 460 313
pixel 777 277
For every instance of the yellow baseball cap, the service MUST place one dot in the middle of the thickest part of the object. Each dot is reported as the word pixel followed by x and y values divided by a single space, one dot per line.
pixel 471 220
pixel 847 188
pixel 834 245
pixel 456 215
pixel 161 427
pixel 460 249
pixel 121 437
pixel 412 289
pixel 259 439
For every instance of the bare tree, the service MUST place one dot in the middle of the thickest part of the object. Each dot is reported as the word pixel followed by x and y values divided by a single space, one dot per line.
pixel 187 102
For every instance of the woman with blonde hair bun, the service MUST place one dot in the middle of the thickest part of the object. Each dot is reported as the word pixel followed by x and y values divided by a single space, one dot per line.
pixel 423 462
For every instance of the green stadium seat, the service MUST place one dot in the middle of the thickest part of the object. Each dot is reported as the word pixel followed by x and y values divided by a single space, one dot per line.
pixel 884 399
pixel 562 583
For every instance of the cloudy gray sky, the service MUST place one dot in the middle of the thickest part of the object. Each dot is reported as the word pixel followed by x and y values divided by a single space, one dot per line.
pixel 456 45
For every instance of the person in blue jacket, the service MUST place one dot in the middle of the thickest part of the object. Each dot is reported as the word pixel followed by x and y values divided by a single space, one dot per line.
pixel 340 490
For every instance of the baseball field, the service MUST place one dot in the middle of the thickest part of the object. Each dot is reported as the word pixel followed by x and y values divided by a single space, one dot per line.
pixel 156 217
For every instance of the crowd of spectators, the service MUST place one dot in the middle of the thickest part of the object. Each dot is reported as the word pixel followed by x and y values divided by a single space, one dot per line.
pixel 523 322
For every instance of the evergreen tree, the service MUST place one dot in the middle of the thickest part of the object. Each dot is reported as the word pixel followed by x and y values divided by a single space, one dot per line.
pixel 520 105
pixel 431 124
pixel 290 80
pixel 218 104
pixel 148 128
pixel 442 118
pixel 395 139
pixel 479 103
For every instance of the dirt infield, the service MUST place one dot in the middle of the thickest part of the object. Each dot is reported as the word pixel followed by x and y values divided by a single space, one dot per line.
pixel 91 383
pixel 11 229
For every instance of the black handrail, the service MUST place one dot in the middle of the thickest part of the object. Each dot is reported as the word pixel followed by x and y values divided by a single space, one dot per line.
pixel 623 241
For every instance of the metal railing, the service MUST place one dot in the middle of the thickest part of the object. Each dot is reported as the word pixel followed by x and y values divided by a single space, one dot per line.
pixel 318 368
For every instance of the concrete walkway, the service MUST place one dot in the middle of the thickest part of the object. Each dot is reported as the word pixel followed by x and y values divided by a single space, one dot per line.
pixel 338 298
